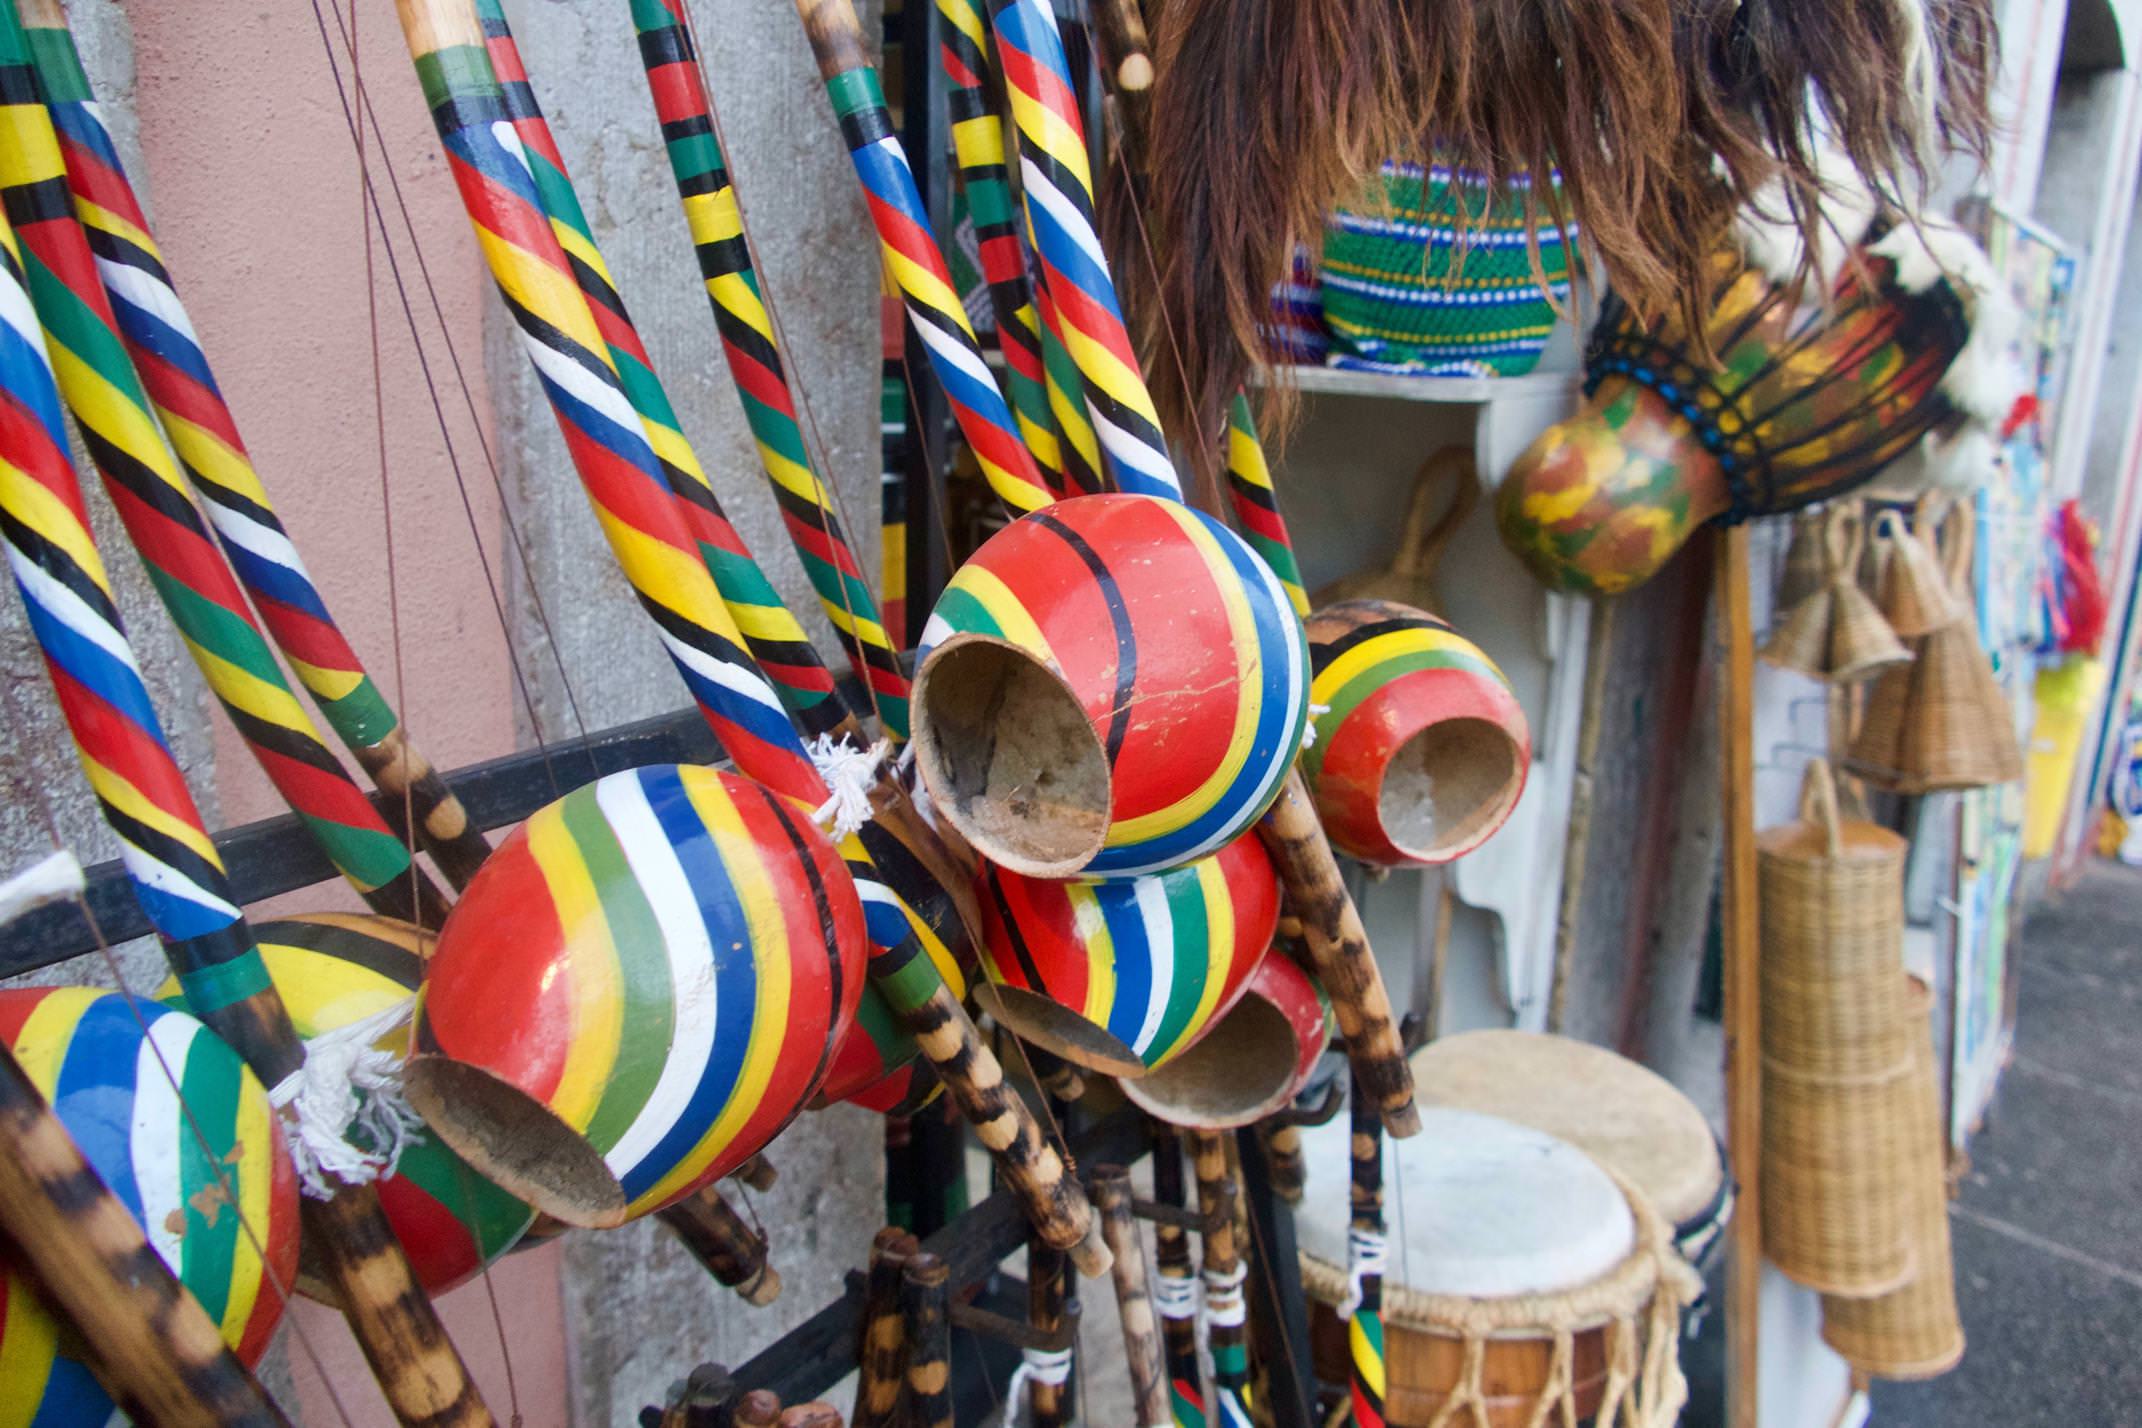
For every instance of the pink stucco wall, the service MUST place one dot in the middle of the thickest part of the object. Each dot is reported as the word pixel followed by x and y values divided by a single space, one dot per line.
pixel 255 190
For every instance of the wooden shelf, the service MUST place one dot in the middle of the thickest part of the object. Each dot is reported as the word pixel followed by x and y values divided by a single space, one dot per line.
pixel 1446 391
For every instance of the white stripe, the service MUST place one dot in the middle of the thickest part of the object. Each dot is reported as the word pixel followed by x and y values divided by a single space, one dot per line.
pixel 250 535
pixel 16 312
pixel 934 633
pixel 144 291
pixel 144 868
pixel 876 892
pixel 946 348
pixel 1041 189
pixel 1152 895
pixel 587 388
pixel 1134 453
pixel 65 606
pixel 691 966
pixel 729 676
pixel 155 1134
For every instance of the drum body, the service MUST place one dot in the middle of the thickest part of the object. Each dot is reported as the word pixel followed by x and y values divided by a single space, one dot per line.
pixel 1525 1281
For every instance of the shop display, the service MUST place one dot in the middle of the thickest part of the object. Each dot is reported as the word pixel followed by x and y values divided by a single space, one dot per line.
pixel 1533 1281
pixel 1836 633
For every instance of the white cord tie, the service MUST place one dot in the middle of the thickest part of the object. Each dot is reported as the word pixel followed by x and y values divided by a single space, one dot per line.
pixel 348 1085
pixel 850 774
pixel 1316 712
pixel 1175 1295
pixel 1051 1368
pixel 1225 1307
pixel 1367 1253
pixel 52 878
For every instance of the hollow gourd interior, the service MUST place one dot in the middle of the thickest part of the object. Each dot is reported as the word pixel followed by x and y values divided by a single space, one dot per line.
pixel 515 1140
pixel 1237 1073
pixel 1009 756
pixel 1057 1029
pixel 1448 787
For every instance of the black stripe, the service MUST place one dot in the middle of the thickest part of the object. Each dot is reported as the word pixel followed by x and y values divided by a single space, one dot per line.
pixel 1126 639
pixel 542 331
pixel 61 567
pixel 1323 653
pixel 689 126
pixel 866 126
pixel 667 45
pixel 1027 969
pixel 520 101
pixel 121 466
pixel 384 956
pixel 169 851
pixel 18 85
pixel 828 935
pixel 115 249
pixel 723 256
pixel 43 201
pixel 478 110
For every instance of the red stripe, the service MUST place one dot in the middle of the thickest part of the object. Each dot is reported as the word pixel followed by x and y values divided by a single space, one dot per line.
pixel 759 381
pixel 318 793
pixel 181 552
pixel 29 445
pixel 134 754
pixel 177 392
pixel 677 93
pixel 308 638
pixel 484 1003
pixel 88 177
pixel 1079 308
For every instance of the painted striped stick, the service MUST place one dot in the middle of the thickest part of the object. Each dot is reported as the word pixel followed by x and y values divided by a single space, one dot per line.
pixel 1057 179
pixel 913 260
pixel 176 872
pixel 749 342
pixel 1176 1287
pixel 1225 1273
pixel 776 641
pixel 1256 503
pixel 158 1354
pixel 168 357
pixel 624 483
pixel 892 461
pixel 978 146
pixel 1059 188
pixel 119 428
pixel 1081 444
pixel 1365 1251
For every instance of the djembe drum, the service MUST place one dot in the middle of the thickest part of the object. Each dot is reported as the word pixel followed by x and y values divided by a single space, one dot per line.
pixel 1526 1283
pixel 1623 1115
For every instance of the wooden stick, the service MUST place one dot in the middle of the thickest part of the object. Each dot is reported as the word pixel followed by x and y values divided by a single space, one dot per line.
pixel 758 1173
pixel 1225 1315
pixel 154 1349
pixel 1290 1173
pixel 1177 1284
pixel 1577 848
pixel 1045 1273
pixel 1743 1022
pixel 923 1306
pixel 1111 1191
pixel 884 1357
pixel 1339 946
pixel 1365 1197
pixel 729 1249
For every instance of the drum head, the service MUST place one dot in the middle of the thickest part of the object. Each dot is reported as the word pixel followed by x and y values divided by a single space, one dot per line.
pixel 1474 1206
pixel 1628 1117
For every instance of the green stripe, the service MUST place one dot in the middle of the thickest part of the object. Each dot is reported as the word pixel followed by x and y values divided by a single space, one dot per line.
pixel 642 966
pixel 216 628
pixel 361 717
pixel 210 1085
pixel 74 325
pixel 1384 672
pixel 457 72
pixel 220 985
pixel 1193 934
pixel 372 857
pixel 912 983
pixel 855 91
pixel 59 69
pixel 963 612
pixel 494 1219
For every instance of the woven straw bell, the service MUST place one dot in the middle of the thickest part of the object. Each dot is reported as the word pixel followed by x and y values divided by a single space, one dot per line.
pixel 1806 568
pixel 1836 634
pixel 1960 732
pixel 1410 577
pixel 1915 595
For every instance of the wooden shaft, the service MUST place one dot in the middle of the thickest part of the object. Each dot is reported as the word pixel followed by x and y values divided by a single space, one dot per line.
pixel 1134 1297
pixel 758 1173
pixel 401 771
pixel 154 1349
pixel 883 1361
pixel 1171 1254
pixel 756 1409
pixel 1283 1151
pixel 1217 1191
pixel 1045 1270
pixel 730 1250
pixel 923 1305
pixel 1365 1199
pixel 1130 57
pixel 1339 947
pixel 1743 1011
pixel 419 1372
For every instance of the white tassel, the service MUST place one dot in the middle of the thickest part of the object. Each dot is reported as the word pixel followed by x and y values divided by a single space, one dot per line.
pixel 348 1084
pixel 1367 1253
pixel 56 877
pixel 1771 239
pixel 1051 1368
pixel 850 774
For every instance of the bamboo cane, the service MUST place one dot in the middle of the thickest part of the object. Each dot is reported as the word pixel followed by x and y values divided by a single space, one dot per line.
pixel 883 1367
pixel 1225 1312
pixel 155 1350
pixel 923 1310
pixel 1743 1013
pixel 1134 1299
pixel 1364 1333
pixel 1176 1288
pixel 729 1249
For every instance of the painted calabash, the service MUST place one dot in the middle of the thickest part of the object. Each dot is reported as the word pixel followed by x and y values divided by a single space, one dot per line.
pixel 1123 975
pixel 1252 1063
pixel 220 1208
pixel 645 983
pixel 1807 401
pixel 1112 686
pixel 333 970
pixel 1421 749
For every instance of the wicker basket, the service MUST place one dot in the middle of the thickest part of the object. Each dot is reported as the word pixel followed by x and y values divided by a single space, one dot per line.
pixel 1836 1057
pixel 1912 1332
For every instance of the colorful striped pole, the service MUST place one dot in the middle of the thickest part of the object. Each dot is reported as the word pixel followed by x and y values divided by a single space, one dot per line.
pixel 1226 1310
pixel 978 145
pixel 892 461
pixel 167 355
pixel 176 872
pixel 1175 1288
pixel 749 342
pixel 1366 1252
pixel 618 468
pixel 913 260
pixel 1057 179
pixel 1084 470
pixel 120 430
pixel 778 644
pixel 1256 503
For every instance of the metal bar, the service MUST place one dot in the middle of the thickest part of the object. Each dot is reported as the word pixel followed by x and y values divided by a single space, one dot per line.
pixel 1276 1278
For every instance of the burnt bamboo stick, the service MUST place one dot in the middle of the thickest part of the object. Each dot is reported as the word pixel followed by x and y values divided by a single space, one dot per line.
pixel 1225 1311
pixel 724 1245
pixel 1111 1191
pixel 924 1304
pixel 883 1367
pixel 1176 1288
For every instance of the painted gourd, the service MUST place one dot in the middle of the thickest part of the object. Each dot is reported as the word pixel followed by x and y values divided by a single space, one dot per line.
pixel 1252 1063
pixel 645 983
pixel 335 969
pixel 1123 975
pixel 1421 749
pixel 1111 686
pixel 89 1055
pixel 1806 402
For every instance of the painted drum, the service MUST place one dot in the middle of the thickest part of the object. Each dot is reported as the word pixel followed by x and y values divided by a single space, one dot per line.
pixel 645 983
pixel 1252 1063
pixel 1421 749
pixel 1111 686
pixel 1126 974
pixel 212 1202
pixel 332 971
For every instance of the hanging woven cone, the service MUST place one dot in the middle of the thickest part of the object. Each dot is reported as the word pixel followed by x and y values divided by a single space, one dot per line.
pixel 1806 571
pixel 1861 643
pixel 1836 634
pixel 1802 640
pixel 1410 577
pixel 1915 594
pixel 1877 750
pixel 1959 732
